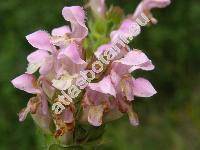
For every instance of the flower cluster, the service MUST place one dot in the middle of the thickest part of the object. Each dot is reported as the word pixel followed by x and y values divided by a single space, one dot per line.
pixel 61 56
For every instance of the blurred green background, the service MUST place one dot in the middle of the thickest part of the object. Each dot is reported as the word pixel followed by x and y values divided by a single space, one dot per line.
pixel 169 120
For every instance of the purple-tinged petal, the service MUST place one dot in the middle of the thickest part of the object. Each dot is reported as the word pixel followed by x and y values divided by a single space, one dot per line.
pixel 47 66
pixel 95 115
pixel 128 29
pixel 146 6
pixel 72 53
pixel 40 39
pixel 37 56
pixel 150 4
pixel 104 86
pixel 143 88
pixel 39 59
pixel 76 16
pixel 68 116
pixel 71 59
pixel 145 66
pixel 133 60
pixel 134 57
pixel 102 49
pixel 61 31
pixel 26 82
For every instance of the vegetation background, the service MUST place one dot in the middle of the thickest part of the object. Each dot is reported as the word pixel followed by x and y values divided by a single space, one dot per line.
pixel 169 121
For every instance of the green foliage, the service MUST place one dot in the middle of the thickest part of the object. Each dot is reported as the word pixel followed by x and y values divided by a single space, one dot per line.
pixel 169 120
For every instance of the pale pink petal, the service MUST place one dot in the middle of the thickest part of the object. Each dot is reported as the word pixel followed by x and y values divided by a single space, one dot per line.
pixel 104 86
pixel 37 56
pixel 143 88
pixel 134 57
pixel 150 4
pixel 40 39
pixel 26 82
pixel 71 59
pixel 95 115
pixel 61 31
pixel 46 67
pixel 76 16
pixel 133 60
pixel 40 59
pixel 145 66
pixel 128 29
pixel 72 53
pixel 146 6
pixel 102 49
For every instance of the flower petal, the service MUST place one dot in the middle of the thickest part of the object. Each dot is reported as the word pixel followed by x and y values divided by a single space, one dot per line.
pixel 146 6
pixel 40 39
pixel 76 16
pixel 104 86
pixel 71 59
pixel 128 29
pixel 61 31
pixel 150 4
pixel 36 60
pixel 143 88
pixel 134 57
pixel 102 49
pixel 133 60
pixel 26 82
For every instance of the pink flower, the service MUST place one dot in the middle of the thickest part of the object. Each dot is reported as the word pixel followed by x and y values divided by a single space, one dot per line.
pixel 133 60
pixel 76 16
pixel 40 40
pixel 63 36
pixel 59 58
pixel 27 83
pixel 146 6
pixel 70 59
pixel 128 87
pixel 42 58
pixel 37 105
pixel 96 100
